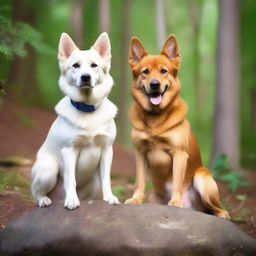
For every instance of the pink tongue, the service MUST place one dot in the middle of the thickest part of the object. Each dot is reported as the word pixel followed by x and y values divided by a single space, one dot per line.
pixel 156 100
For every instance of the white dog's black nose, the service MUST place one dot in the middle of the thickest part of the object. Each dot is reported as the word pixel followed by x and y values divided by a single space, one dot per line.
pixel 86 78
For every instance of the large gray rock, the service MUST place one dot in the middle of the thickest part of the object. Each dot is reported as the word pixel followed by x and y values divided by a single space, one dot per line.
pixel 97 228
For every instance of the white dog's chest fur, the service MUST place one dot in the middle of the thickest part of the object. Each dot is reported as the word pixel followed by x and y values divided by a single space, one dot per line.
pixel 87 132
pixel 89 143
pixel 81 138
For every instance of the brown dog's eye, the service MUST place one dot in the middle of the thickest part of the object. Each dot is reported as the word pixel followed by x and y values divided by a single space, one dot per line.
pixel 163 70
pixel 76 65
pixel 94 65
pixel 145 71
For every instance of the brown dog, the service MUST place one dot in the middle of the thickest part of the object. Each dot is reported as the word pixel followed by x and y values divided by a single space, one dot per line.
pixel 166 149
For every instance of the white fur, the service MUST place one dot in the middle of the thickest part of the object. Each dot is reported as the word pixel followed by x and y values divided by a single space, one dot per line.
pixel 79 144
pixel 191 198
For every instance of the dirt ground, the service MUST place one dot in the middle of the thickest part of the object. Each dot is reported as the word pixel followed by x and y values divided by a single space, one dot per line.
pixel 22 131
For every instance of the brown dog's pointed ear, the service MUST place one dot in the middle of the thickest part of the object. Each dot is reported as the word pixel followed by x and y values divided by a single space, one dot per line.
pixel 171 48
pixel 66 47
pixel 137 51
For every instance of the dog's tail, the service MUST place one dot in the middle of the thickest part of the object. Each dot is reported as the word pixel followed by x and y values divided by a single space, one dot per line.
pixel 207 188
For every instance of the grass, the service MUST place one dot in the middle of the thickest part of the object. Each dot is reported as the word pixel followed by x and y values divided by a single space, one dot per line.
pixel 12 179
pixel 119 192
pixel 131 180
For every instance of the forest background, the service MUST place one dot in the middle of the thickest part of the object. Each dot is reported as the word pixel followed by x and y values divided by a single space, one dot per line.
pixel 217 71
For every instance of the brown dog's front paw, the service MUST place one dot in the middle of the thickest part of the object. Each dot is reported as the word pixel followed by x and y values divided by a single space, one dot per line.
pixel 134 200
pixel 175 203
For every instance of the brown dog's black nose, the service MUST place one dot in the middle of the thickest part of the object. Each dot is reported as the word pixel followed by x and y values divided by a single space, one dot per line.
pixel 154 84
pixel 86 77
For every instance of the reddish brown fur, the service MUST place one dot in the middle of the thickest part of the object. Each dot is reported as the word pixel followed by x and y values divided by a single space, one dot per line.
pixel 166 149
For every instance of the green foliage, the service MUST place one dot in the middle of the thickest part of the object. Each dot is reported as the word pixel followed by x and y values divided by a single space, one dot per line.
pixel 148 185
pixel 2 82
pixel 12 179
pixel 222 171
pixel 15 36
pixel 3 184
pixel 131 180
pixel 58 21
pixel 2 91
pixel 248 85
pixel 119 192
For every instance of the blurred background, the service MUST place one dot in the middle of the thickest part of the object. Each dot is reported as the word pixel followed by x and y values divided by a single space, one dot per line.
pixel 30 32
pixel 217 43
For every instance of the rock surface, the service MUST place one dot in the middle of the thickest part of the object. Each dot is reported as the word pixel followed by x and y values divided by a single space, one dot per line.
pixel 13 206
pixel 97 228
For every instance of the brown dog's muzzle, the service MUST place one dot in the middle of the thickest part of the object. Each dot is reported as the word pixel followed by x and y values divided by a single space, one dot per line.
pixel 154 85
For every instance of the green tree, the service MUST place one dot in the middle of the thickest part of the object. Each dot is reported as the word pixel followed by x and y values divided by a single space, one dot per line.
pixel 248 84
pixel 14 39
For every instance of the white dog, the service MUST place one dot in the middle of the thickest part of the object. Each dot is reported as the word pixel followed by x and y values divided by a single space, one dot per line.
pixel 79 143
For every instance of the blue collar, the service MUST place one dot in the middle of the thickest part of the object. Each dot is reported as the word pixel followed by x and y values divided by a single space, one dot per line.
pixel 82 106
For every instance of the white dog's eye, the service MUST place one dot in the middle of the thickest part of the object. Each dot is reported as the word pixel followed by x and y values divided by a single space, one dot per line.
pixel 76 65
pixel 94 65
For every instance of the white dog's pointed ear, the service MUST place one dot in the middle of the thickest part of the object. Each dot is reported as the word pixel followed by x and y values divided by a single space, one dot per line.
pixel 66 47
pixel 103 47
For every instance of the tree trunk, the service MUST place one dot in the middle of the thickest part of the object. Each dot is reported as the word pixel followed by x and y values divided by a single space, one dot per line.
pixel 22 77
pixel 195 16
pixel 77 22
pixel 160 24
pixel 104 16
pixel 227 107
pixel 125 38
pixel 253 109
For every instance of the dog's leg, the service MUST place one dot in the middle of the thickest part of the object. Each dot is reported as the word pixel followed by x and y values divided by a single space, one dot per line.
pixel 70 156
pixel 44 178
pixel 208 190
pixel 179 170
pixel 161 193
pixel 105 169
pixel 138 195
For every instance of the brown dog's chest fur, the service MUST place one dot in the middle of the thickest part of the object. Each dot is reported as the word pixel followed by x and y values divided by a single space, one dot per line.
pixel 160 135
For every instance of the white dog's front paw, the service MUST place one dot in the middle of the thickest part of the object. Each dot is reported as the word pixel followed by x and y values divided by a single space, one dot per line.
pixel 44 201
pixel 72 203
pixel 112 200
